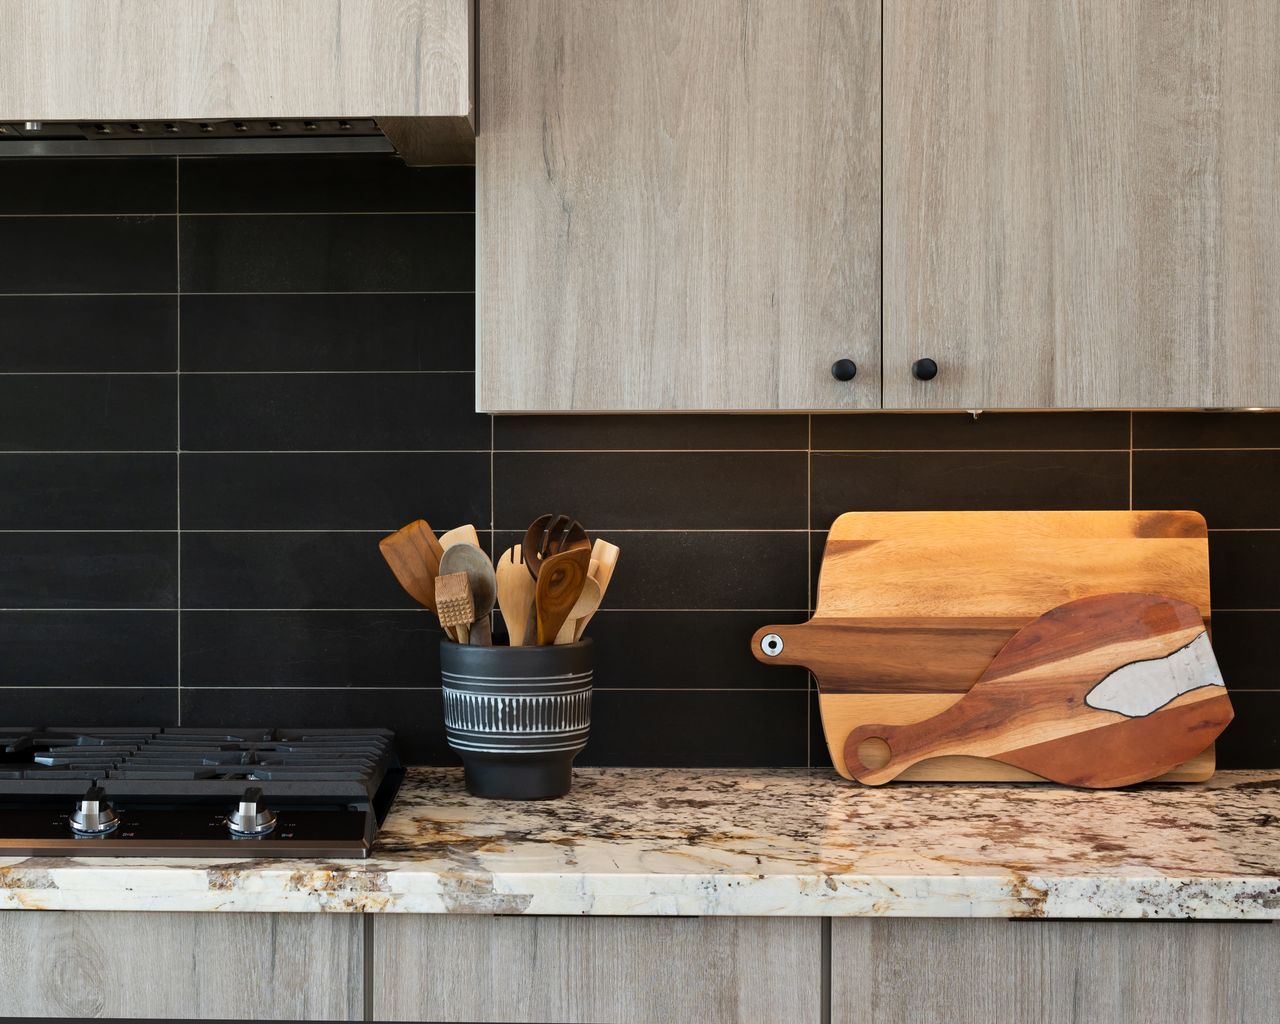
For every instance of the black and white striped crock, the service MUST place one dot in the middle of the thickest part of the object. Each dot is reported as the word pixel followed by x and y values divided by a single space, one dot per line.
pixel 517 716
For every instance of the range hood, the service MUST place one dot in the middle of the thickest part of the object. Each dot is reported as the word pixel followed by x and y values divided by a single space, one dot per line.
pixel 118 77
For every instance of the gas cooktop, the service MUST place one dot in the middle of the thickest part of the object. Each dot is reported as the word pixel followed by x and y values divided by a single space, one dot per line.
pixel 194 792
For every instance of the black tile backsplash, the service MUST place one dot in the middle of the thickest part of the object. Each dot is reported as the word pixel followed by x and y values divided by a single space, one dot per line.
pixel 201 546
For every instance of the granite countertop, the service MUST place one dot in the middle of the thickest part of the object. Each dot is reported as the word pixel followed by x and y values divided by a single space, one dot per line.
pixel 745 842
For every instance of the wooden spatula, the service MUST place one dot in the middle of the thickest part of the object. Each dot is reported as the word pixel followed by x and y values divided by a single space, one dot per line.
pixel 560 581
pixel 467 558
pixel 414 556
pixel 604 557
pixel 1103 691
pixel 460 535
pixel 515 595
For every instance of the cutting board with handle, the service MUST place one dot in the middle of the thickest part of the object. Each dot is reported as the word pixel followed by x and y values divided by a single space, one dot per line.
pixel 1103 691
pixel 913 606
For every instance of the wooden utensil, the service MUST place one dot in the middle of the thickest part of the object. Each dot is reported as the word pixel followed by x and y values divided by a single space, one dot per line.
pixel 1103 691
pixel 467 558
pixel 549 535
pixel 413 553
pixel 583 608
pixel 515 596
pixel 465 534
pixel 604 557
pixel 560 581
pixel 453 599
pixel 912 607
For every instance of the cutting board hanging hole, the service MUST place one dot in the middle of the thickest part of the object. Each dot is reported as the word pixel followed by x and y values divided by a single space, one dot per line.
pixel 771 644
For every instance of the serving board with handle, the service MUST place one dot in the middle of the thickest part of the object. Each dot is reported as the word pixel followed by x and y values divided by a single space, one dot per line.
pixel 913 606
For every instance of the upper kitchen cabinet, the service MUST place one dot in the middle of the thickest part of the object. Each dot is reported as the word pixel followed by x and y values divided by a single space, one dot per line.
pixel 1082 203
pixel 151 73
pixel 678 204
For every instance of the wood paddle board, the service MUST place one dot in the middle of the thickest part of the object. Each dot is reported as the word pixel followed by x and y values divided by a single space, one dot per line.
pixel 1100 692
pixel 913 606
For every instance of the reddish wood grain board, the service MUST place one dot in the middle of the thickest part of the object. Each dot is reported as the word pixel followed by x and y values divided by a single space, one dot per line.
pixel 1029 707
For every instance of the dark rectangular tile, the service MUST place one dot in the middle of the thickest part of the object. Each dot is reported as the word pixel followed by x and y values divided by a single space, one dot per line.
pixel 53 185
pixel 687 650
pixel 88 492
pixel 88 707
pixel 819 752
pixel 1244 569
pixel 1233 489
pixel 1206 429
pixel 335 411
pixel 87 333
pixel 333 491
pixel 1245 643
pixel 328 253
pixel 1252 740
pixel 88 570
pixel 961 431
pixel 337 184
pixel 88 254
pixel 644 490
pixel 287 570
pixel 904 481
pixel 675 432
pixel 328 332
pixel 674 570
pixel 315 648
pixel 95 648
pixel 91 412
pixel 417 716
pixel 290 571
pixel 698 729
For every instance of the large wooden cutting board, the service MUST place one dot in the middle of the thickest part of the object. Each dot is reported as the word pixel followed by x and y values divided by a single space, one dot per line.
pixel 913 606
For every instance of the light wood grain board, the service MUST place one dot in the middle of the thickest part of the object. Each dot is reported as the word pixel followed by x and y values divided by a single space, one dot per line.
pixel 1080 203
pixel 214 59
pixel 931 597
pixel 678 205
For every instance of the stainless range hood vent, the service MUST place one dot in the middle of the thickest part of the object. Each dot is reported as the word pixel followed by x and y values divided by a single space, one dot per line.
pixel 192 138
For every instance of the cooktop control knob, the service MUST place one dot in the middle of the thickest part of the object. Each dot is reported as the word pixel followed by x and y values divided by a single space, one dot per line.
pixel 251 818
pixel 93 816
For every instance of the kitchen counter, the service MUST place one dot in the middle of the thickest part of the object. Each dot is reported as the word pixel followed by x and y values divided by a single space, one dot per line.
pixel 745 842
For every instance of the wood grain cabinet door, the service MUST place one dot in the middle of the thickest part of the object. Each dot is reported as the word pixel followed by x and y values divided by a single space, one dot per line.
pixel 1082 203
pixel 678 204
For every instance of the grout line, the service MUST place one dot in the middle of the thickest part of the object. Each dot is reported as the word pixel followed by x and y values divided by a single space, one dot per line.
pixel 824 1010
pixel 177 205
pixel 366 938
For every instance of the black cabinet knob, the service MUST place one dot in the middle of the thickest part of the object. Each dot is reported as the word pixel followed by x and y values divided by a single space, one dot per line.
pixel 924 369
pixel 844 369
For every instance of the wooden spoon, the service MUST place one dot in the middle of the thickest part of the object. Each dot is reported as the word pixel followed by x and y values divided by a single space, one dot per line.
pixel 604 556
pixel 583 608
pixel 460 535
pixel 465 557
pixel 515 595
pixel 414 556
pixel 560 581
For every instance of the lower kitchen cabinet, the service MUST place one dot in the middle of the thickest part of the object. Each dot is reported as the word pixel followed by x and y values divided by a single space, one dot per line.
pixel 949 971
pixel 620 970
pixel 210 965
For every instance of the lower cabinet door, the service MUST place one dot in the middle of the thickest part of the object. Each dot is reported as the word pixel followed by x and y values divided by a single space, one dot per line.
pixel 946 971
pixel 609 970
pixel 184 966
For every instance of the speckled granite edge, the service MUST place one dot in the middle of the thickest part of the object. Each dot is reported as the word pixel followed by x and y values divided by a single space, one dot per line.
pixel 747 843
